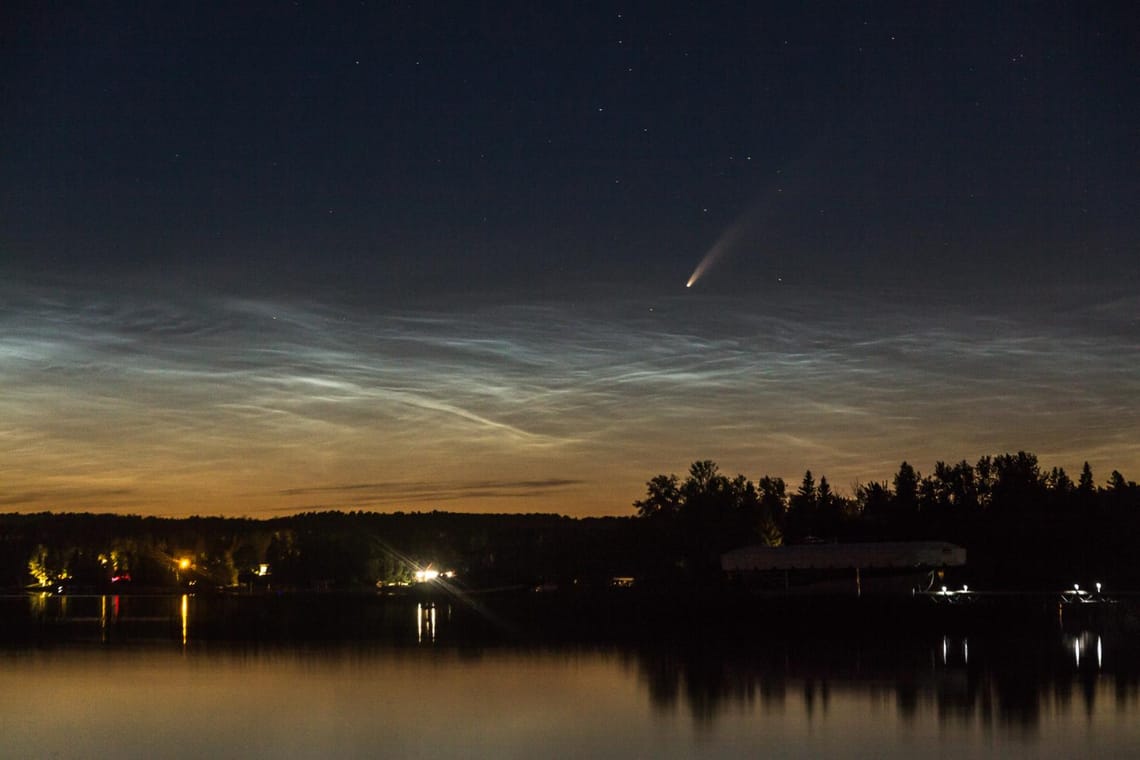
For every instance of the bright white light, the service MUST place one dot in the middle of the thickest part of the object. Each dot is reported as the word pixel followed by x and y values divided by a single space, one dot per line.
pixel 1098 587
pixel 1076 587
pixel 423 576
pixel 965 587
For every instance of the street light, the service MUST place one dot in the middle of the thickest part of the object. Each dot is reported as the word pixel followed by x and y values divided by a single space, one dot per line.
pixel 181 565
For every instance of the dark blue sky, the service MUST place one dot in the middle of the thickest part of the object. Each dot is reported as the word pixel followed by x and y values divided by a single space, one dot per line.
pixel 889 187
pixel 591 141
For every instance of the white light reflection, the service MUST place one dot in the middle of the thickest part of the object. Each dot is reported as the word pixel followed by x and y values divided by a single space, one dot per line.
pixel 1082 643
pixel 945 649
pixel 966 650
pixel 425 623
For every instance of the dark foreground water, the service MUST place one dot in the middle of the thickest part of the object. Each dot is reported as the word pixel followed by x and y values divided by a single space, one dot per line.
pixel 140 685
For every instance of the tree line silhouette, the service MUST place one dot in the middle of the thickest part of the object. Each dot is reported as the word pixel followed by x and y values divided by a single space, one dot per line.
pixel 330 550
pixel 1019 522
pixel 1023 527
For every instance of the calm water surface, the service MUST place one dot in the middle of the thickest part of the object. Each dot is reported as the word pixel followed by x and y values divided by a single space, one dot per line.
pixel 1057 695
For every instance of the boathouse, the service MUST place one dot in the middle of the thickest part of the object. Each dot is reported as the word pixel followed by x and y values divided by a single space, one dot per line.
pixel 893 565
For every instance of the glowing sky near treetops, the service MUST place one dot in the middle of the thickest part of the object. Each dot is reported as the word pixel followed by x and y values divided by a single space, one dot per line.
pixel 200 404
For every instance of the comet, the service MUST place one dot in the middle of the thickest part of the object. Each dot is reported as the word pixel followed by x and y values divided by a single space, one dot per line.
pixel 728 240
pixel 761 214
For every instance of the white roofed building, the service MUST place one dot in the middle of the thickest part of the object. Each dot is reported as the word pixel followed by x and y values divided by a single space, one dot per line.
pixel 887 566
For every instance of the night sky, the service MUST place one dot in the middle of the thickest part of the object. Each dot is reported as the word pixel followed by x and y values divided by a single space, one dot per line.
pixel 257 258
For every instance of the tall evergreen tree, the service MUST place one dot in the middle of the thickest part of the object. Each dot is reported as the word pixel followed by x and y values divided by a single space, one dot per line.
pixel 802 508
pixel 1085 484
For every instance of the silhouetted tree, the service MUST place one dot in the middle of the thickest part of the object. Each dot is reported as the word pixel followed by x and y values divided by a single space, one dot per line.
pixel 1060 490
pixel 773 506
pixel 904 503
pixel 1122 496
pixel 705 488
pixel 984 476
pixel 802 508
pixel 1116 482
pixel 829 510
pixel 1085 484
pixel 662 499
pixel 874 500
pixel 1018 486
pixel 707 510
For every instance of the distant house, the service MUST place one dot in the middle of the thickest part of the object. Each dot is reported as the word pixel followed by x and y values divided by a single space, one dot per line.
pixel 894 565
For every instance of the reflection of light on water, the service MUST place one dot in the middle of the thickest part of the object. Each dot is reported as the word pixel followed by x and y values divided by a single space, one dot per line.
pixel 38 603
pixel 185 616
pixel 1081 644
pixel 947 647
pixel 425 622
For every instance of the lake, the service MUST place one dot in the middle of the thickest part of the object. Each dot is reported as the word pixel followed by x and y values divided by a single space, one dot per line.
pixel 94 686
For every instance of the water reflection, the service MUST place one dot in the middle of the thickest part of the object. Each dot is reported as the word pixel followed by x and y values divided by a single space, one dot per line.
pixel 874 699
pixel 107 624
pixel 988 682
pixel 1084 642
pixel 37 604
pixel 950 649
pixel 105 618
pixel 185 617
pixel 1030 686
pixel 425 615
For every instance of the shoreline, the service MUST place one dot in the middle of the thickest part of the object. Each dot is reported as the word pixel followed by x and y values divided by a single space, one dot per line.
pixel 608 615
